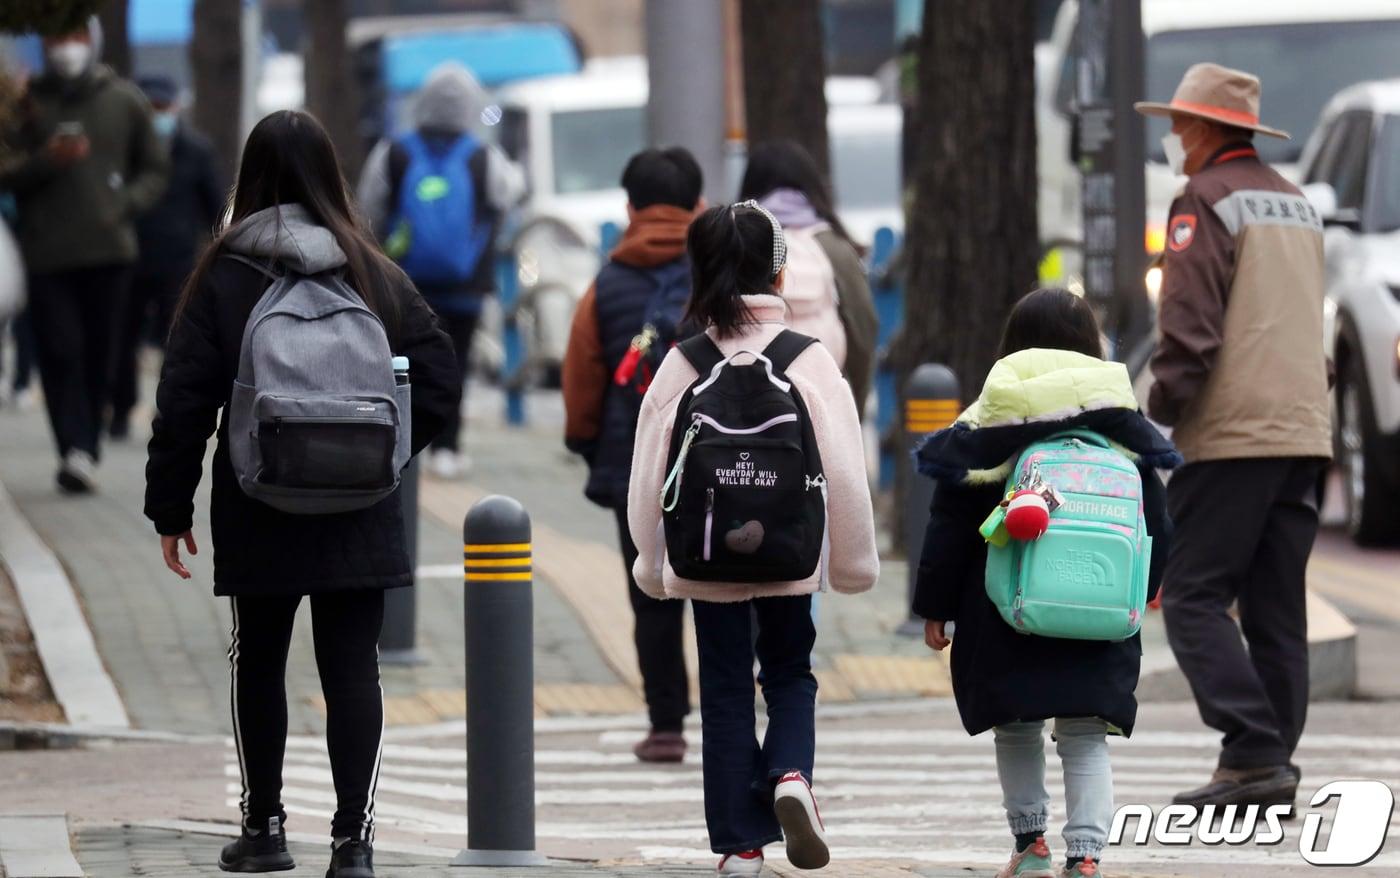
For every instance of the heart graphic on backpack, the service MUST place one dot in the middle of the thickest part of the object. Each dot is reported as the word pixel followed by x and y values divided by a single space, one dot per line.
pixel 746 539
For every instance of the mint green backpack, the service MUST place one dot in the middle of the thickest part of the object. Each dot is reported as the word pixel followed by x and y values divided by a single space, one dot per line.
pixel 1086 577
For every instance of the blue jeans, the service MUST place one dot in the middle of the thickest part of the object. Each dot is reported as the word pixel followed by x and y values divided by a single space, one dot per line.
pixel 1083 747
pixel 739 772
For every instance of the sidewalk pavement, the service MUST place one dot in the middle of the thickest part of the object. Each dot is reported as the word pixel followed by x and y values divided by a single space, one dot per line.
pixel 164 640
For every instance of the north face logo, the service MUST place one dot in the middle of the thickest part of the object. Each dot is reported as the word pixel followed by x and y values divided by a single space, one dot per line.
pixel 1082 567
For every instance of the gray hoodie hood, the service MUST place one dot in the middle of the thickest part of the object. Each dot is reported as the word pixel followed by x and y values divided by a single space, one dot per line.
pixel 451 99
pixel 288 235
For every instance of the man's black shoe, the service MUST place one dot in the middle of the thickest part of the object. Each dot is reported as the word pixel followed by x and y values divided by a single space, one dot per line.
pixel 264 852
pixel 1275 785
pixel 353 859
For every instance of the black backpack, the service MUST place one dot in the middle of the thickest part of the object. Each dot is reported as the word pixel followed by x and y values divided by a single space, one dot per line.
pixel 745 497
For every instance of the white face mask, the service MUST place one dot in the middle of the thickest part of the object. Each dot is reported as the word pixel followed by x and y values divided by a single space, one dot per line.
pixel 1175 152
pixel 1174 147
pixel 70 59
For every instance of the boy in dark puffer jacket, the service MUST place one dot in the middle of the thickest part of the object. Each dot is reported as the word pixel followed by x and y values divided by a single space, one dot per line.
pixel 622 329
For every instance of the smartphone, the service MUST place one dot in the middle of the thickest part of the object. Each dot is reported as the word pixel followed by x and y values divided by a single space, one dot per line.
pixel 69 129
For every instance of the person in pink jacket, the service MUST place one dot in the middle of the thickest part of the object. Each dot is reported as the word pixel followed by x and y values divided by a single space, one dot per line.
pixel 755 794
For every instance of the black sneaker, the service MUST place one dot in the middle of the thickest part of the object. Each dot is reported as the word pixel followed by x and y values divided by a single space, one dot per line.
pixel 264 852
pixel 353 859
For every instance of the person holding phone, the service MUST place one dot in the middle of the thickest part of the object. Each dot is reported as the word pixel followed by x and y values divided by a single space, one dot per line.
pixel 83 163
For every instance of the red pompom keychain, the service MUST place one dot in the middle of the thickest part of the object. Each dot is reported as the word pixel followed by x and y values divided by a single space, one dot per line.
pixel 1027 515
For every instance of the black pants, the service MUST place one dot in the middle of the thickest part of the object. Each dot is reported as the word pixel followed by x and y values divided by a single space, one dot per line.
pixel 1244 530
pixel 739 772
pixel 74 317
pixel 461 328
pixel 658 631
pixel 346 629
pixel 22 333
pixel 151 302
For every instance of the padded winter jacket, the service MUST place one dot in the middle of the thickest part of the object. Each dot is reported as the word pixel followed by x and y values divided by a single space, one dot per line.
pixel 601 417
pixel 259 550
pixel 999 674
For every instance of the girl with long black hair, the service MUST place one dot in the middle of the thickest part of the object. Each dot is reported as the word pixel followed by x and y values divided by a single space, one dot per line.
pixel 291 211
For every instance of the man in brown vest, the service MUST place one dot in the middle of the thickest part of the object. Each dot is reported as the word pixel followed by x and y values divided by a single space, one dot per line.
pixel 1242 377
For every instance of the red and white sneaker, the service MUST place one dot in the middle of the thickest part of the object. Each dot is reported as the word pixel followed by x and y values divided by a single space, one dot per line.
pixel 745 863
pixel 802 823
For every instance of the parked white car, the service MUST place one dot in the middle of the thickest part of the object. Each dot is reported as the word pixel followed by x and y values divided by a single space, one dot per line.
pixel 1352 175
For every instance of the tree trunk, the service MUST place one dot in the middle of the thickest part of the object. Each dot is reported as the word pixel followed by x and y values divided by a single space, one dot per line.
pixel 785 74
pixel 971 238
pixel 216 59
pixel 330 83
pixel 116 39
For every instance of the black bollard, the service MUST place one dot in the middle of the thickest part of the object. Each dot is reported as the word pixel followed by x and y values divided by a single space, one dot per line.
pixel 500 686
pixel 398 638
pixel 930 404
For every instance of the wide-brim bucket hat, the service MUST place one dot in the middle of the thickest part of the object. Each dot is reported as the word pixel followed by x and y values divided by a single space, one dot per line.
pixel 1216 94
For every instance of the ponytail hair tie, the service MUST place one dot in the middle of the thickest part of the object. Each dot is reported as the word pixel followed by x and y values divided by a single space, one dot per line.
pixel 779 241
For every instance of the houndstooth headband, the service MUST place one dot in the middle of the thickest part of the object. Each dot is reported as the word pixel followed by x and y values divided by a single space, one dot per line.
pixel 779 241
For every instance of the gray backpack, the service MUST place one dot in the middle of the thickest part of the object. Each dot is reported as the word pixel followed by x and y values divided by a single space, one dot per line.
pixel 317 422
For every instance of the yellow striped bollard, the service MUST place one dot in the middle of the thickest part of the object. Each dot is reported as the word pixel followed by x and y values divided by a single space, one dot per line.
pixel 499 610
pixel 931 402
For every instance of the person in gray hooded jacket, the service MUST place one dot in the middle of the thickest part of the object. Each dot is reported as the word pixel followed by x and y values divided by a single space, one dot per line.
pixel 434 197
pixel 291 211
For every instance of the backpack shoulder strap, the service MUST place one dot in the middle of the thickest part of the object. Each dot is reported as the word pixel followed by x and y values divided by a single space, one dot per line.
pixel 264 268
pixel 702 353
pixel 786 348
pixel 463 148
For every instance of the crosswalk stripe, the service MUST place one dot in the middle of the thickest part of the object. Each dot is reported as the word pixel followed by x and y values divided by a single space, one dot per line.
pixel 941 738
pixel 928 757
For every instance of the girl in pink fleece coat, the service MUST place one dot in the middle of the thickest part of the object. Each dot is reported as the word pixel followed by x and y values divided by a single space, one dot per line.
pixel 755 794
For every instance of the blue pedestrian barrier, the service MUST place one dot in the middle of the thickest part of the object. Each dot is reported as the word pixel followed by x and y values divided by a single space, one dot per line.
pixel 512 377
pixel 888 292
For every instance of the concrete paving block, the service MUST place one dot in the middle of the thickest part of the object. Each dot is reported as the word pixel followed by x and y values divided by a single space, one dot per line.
pixel 37 846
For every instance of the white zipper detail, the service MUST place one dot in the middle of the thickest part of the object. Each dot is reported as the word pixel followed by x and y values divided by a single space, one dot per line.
pixel 709 521
pixel 745 431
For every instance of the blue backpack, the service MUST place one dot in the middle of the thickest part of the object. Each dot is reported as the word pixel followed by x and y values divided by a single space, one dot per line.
pixel 435 235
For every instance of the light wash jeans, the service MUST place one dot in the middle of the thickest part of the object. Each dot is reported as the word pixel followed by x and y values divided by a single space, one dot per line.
pixel 1083 747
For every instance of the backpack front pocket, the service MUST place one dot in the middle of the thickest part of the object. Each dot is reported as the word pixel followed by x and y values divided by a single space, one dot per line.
pixel 1080 581
pixel 751 495
pixel 326 443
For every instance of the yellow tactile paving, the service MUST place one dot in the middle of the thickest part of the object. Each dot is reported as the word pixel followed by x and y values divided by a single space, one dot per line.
pixel 446 703
pixel 579 698
pixel 832 688
pixel 894 674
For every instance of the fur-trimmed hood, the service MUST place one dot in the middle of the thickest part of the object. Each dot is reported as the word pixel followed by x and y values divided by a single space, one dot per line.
pixel 1033 394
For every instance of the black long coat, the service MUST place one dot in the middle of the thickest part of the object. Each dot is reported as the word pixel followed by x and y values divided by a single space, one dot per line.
pixel 999 675
pixel 259 550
